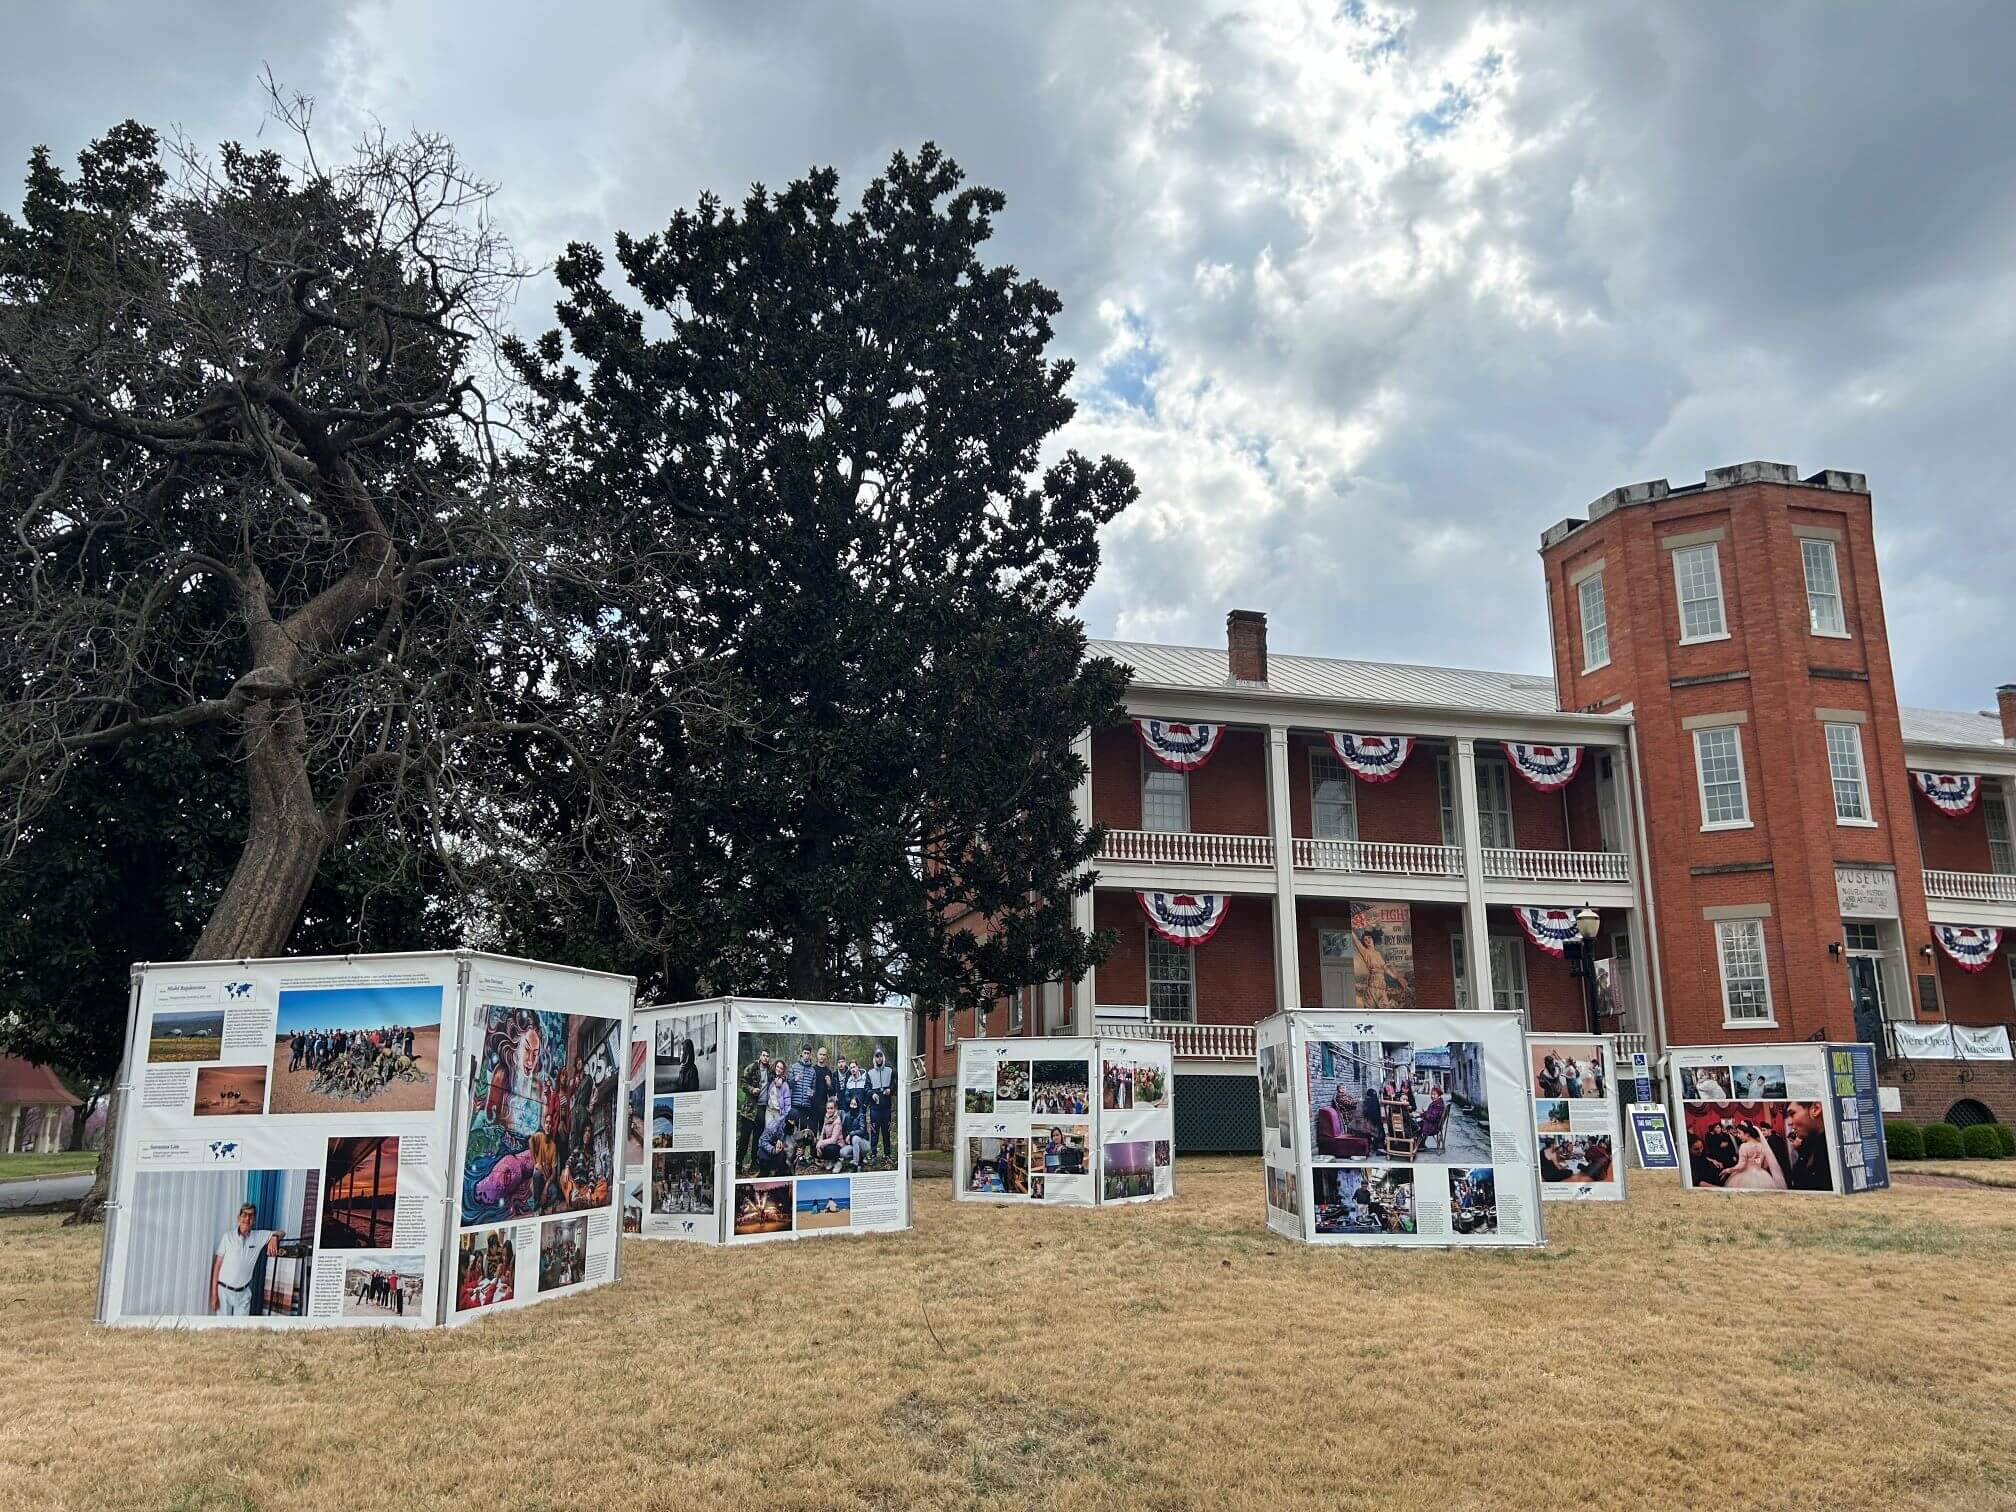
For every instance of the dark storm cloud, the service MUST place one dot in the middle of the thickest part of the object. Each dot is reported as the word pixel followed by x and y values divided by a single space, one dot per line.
pixel 1369 297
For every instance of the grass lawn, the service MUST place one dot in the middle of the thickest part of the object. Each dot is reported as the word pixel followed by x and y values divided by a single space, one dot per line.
pixel 1993 1173
pixel 1683 1350
pixel 60 1163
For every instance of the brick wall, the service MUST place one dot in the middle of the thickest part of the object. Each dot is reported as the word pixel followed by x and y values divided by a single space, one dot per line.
pixel 1951 844
pixel 1977 997
pixel 1407 809
pixel 1234 968
pixel 1228 794
pixel 1928 1089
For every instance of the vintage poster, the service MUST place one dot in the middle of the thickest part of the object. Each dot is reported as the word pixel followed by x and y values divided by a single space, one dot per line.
pixel 1137 1120
pixel 1382 957
pixel 681 1105
pixel 821 1136
pixel 1757 1118
pixel 1575 1102
pixel 1027 1129
pixel 1414 1128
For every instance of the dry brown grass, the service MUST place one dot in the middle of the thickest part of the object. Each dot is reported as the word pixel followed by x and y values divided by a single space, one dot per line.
pixel 1683 1350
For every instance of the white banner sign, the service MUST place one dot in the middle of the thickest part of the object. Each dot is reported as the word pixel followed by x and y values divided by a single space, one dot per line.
pixel 1950 1042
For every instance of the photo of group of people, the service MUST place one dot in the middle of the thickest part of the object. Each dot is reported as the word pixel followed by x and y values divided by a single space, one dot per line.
pixel 542 1126
pixel 337 1049
pixel 1577 1159
pixel 683 1183
pixel 222 1091
pixel 1739 1083
pixel 1365 1200
pixel 563 1253
pixel 999 1167
pixel 486 1268
pixel 763 1207
pixel 1394 1100
pixel 388 1287
pixel 815 1103
pixel 1759 1146
pixel 1575 1120
pixel 1473 1201
pixel 1568 1070
pixel 1126 1085
pixel 226 1243
pixel 1130 1167
pixel 686 1054
pixel 1062 1087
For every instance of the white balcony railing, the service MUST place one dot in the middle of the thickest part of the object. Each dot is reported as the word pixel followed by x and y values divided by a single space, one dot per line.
pixel 1385 858
pixel 1189 1041
pixel 1556 866
pixel 1163 848
pixel 1971 887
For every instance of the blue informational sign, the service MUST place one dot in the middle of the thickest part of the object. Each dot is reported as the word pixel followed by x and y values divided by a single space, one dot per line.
pixel 1858 1120
pixel 1653 1136
pixel 1641 1074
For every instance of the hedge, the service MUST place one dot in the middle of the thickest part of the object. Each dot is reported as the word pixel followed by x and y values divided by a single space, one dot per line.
pixel 1904 1141
pixel 1942 1142
pixel 2006 1138
pixel 1978 1142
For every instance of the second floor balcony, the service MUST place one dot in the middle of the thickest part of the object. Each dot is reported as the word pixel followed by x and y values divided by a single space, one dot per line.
pixel 1971 887
pixel 1366 858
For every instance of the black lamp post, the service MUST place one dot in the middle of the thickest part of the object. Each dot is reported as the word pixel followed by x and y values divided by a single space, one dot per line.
pixel 1583 961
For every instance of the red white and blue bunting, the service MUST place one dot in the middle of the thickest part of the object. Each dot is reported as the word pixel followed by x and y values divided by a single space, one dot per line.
pixel 1187 919
pixel 1372 758
pixel 1183 747
pixel 1954 794
pixel 1546 767
pixel 1549 928
pixel 1972 946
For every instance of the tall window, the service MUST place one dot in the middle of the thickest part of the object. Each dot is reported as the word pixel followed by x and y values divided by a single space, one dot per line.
pixel 1595 624
pixel 1333 798
pixel 951 1016
pixel 1746 989
pixel 2001 851
pixel 1165 797
pixel 1508 972
pixel 1718 762
pixel 1494 805
pixel 1445 787
pixel 1172 982
pixel 1697 575
pixel 1844 765
pixel 1823 588
pixel 1015 1012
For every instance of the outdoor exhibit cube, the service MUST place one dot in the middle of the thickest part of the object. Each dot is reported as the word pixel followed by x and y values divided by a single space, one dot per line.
pixel 753 1119
pixel 1576 1117
pixel 1802 1117
pixel 1089 1120
pixel 404 1140
pixel 1398 1128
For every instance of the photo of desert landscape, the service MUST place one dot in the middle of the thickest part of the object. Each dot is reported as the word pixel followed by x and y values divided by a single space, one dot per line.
pixel 230 1089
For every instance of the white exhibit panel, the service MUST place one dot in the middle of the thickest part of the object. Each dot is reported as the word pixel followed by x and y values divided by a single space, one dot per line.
pixel 292 1146
pixel 1802 1117
pixel 1278 1125
pixel 1028 1124
pixel 817 1141
pixel 1137 1120
pixel 678 1094
pixel 1575 1117
pixel 1407 1128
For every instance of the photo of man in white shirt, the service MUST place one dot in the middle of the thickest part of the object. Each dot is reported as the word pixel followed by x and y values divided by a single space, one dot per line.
pixel 236 1262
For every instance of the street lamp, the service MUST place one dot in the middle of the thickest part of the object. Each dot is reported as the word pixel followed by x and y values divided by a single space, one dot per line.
pixel 1587 923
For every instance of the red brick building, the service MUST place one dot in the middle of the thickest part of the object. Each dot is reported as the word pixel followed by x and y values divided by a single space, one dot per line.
pixel 1743 819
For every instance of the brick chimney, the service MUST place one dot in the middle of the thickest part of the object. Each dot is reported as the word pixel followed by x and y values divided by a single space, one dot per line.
pixel 1246 650
pixel 2005 696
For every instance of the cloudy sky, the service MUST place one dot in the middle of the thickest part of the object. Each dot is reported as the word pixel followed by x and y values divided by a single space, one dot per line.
pixel 1368 297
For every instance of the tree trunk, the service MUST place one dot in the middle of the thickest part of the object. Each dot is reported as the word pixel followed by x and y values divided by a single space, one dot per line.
pixel 284 845
pixel 83 1114
pixel 807 966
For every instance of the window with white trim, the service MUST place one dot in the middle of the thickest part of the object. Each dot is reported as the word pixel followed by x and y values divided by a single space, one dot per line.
pixel 1333 798
pixel 1508 972
pixel 1823 588
pixel 1494 804
pixel 1172 982
pixel 1015 1012
pixel 1844 766
pixel 951 1017
pixel 1445 789
pixel 1718 769
pixel 1595 623
pixel 1746 985
pixel 2001 852
pixel 1697 579
pixel 1165 797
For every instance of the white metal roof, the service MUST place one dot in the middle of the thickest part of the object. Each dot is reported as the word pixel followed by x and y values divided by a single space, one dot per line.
pixel 1940 727
pixel 1208 668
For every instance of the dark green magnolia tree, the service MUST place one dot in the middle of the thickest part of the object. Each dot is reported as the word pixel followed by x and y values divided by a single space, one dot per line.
pixel 845 423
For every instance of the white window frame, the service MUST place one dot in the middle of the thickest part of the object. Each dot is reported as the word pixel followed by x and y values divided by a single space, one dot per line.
pixel 1681 555
pixel 2001 843
pixel 1188 957
pixel 1015 1014
pixel 1735 732
pixel 1865 819
pixel 1445 795
pixel 1511 992
pixel 1341 773
pixel 1814 551
pixel 951 1017
pixel 1596 629
pixel 1150 767
pixel 1494 780
pixel 1723 931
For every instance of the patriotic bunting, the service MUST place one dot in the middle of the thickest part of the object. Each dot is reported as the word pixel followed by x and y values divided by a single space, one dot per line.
pixel 1971 946
pixel 1372 758
pixel 1954 794
pixel 1183 747
pixel 1549 928
pixel 1546 767
pixel 1187 919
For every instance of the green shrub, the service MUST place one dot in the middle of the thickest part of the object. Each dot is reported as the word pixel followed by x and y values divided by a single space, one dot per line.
pixel 1904 1141
pixel 1942 1142
pixel 1978 1142
pixel 2005 1139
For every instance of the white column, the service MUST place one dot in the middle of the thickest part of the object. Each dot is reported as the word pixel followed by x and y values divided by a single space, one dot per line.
pixel 1634 858
pixel 1082 997
pixel 1287 957
pixel 1476 923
